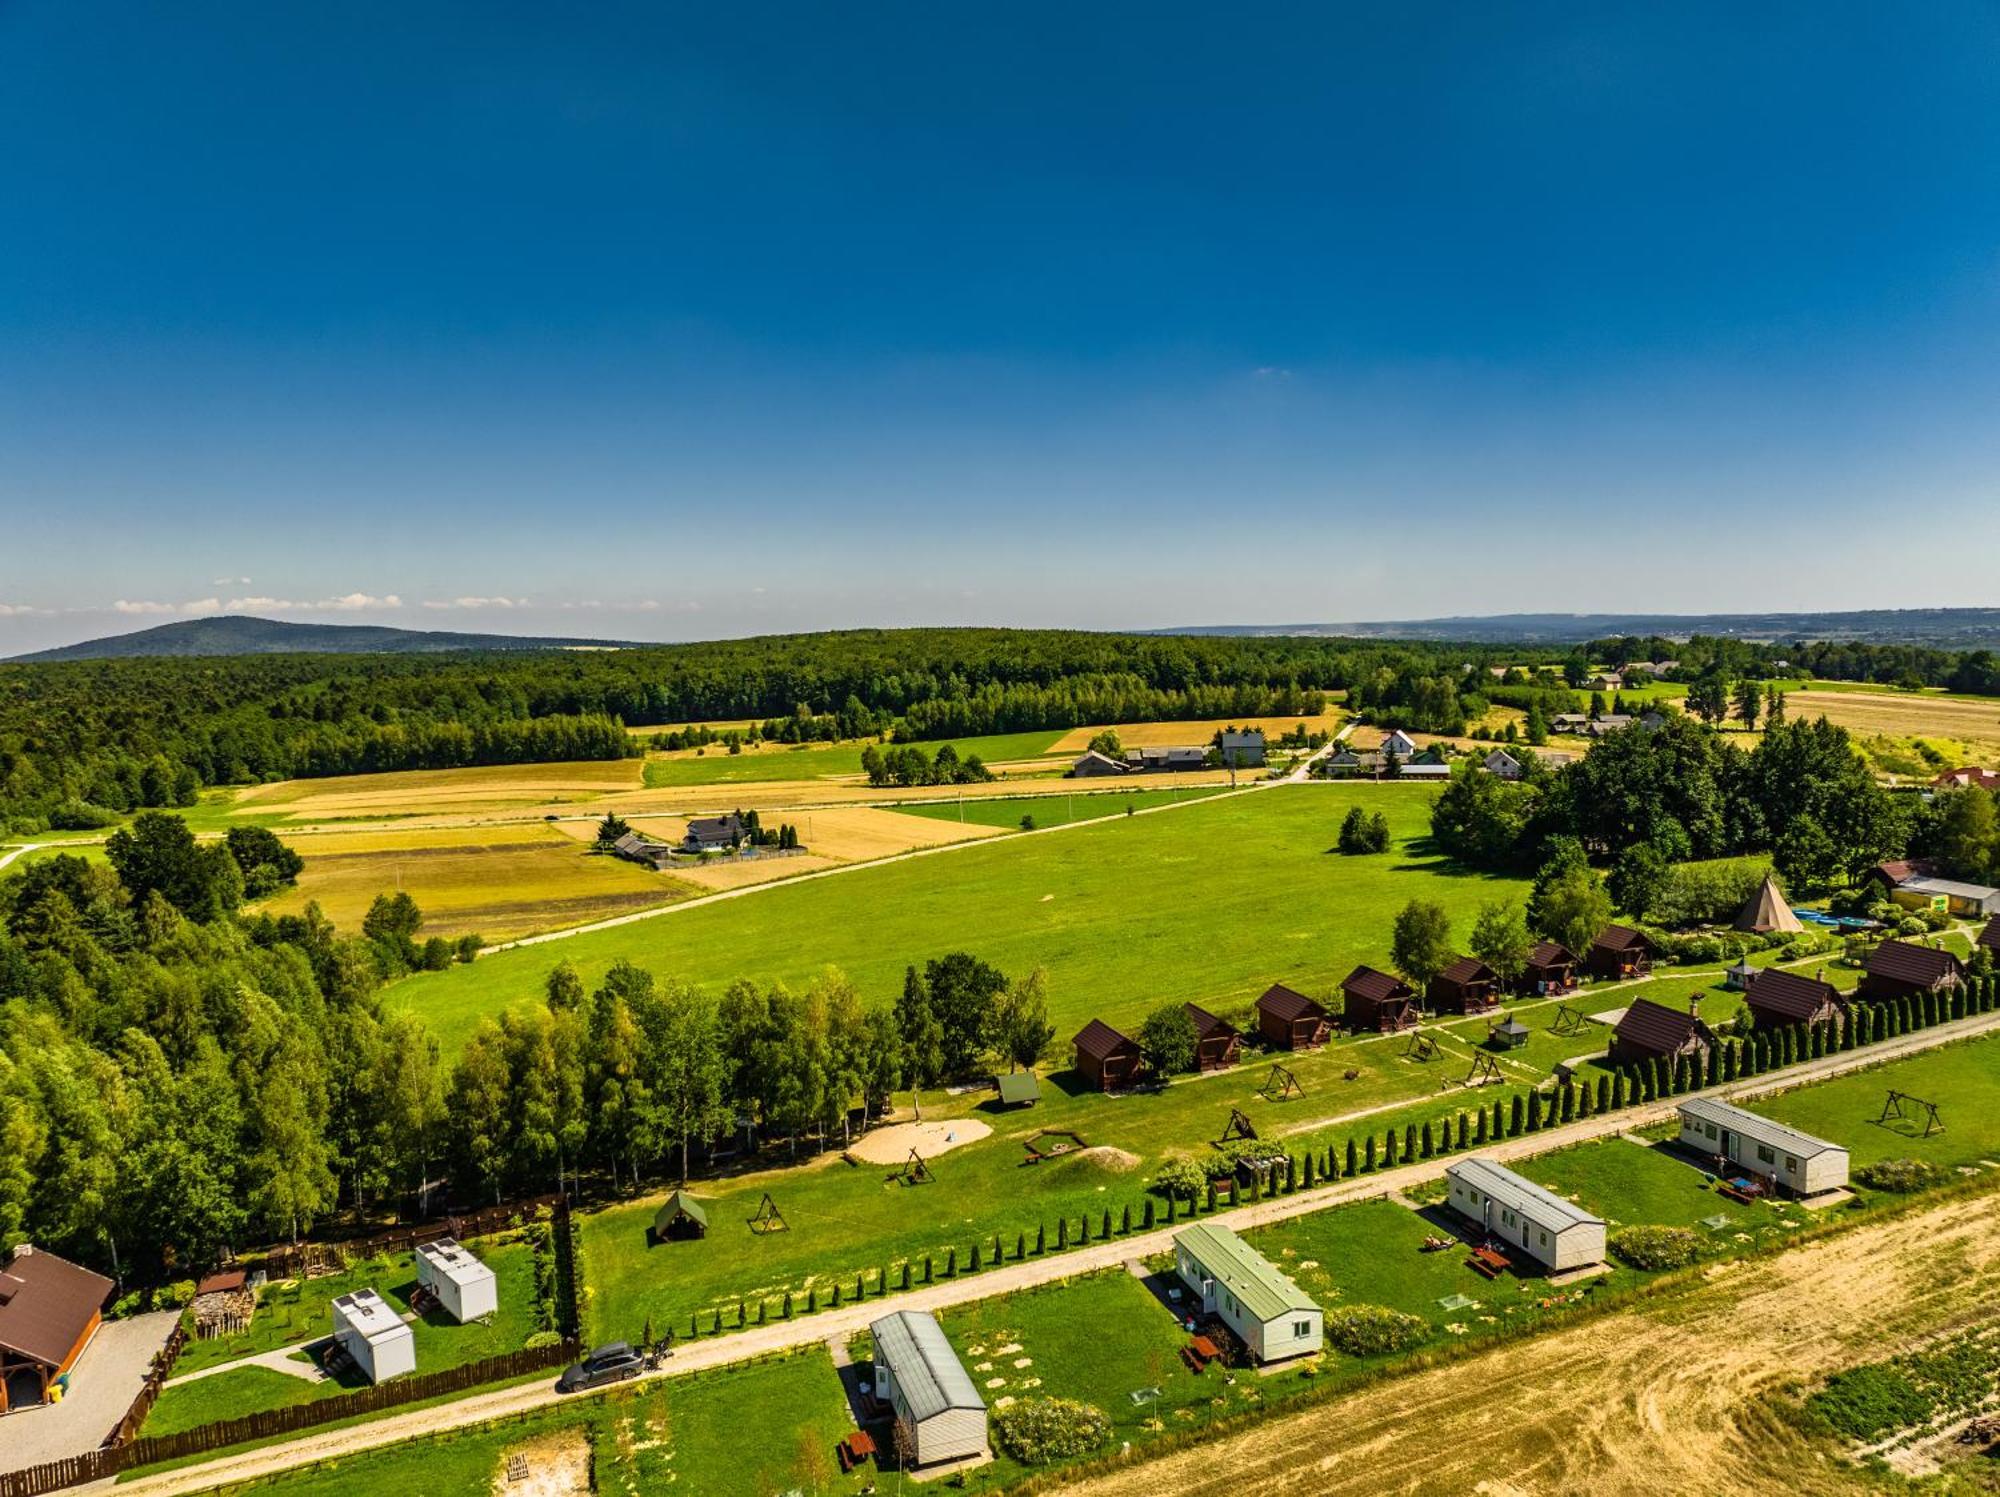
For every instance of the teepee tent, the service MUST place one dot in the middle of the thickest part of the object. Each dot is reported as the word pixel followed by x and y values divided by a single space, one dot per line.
pixel 1768 910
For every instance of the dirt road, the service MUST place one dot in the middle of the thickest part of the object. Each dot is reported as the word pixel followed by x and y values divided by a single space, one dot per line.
pixel 1668 1398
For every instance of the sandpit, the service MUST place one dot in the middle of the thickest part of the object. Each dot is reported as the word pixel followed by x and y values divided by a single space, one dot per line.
pixel 892 1145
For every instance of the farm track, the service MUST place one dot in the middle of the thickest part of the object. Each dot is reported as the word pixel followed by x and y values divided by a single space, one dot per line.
pixel 810 1330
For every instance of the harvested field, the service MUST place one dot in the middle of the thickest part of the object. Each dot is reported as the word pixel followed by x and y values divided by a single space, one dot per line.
pixel 1182 734
pixel 832 835
pixel 1677 1396
pixel 1962 728
pixel 428 791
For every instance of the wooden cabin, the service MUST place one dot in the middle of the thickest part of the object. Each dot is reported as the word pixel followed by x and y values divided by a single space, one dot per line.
pixel 1899 969
pixel 1651 1031
pixel 1106 1058
pixel 1467 986
pixel 1216 1043
pixel 1619 952
pixel 1778 999
pixel 1989 938
pixel 1292 1021
pixel 1376 1003
pixel 1550 969
pixel 49 1311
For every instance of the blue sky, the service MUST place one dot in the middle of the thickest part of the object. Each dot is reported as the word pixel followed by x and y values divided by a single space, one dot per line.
pixel 663 321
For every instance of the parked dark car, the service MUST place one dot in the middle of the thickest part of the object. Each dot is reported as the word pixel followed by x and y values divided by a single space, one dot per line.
pixel 607 1364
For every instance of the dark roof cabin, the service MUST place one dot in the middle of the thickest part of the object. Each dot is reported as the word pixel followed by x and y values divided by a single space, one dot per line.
pixel 1652 1031
pixel 679 1216
pixel 1291 1020
pixel 1377 1002
pixel 1898 969
pixel 1989 938
pixel 1619 951
pixel 1551 968
pixel 1216 1043
pixel 1467 986
pixel 1106 1058
pixel 49 1310
pixel 1777 999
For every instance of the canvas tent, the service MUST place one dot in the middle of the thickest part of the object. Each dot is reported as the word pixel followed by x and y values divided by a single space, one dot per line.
pixel 1768 911
pixel 680 1215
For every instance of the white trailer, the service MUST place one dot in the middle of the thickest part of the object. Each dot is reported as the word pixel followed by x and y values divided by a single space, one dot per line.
pixel 374 1336
pixel 465 1288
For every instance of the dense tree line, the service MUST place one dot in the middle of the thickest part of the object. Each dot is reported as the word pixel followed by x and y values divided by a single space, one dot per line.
pixel 1976 671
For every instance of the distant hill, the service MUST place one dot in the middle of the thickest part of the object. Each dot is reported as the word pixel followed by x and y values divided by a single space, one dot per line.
pixel 1942 628
pixel 237 634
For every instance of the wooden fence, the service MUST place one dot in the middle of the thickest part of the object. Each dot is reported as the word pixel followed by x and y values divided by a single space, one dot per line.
pixel 123 1432
pixel 278 1260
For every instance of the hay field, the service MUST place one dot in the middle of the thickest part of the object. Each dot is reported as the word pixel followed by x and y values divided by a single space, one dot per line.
pixel 1964 729
pixel 832 835
pixel 421 792
pixel 1187 734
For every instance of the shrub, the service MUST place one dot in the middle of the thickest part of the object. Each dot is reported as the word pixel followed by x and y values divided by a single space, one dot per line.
pixel 1899 1175
pixel 1868 1401
pixel 1372 1330
pixel 1654 1248
pixel 541 1339
pixel 1036 1431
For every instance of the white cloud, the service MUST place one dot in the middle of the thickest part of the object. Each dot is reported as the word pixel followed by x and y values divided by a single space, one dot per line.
pixel 475 602
pixel 127 605
pixel 231 581
pixel 203 605
pixel 346 603
pixel 24 611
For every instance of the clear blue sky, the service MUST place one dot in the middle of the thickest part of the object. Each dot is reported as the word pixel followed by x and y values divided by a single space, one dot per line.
pixel 660 320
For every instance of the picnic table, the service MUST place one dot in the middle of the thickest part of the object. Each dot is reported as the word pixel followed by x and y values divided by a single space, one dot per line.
pixel 855 1449
pixel 1489 1262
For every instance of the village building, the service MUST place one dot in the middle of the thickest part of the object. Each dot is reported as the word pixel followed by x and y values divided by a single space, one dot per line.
pixel 1569 722
pixel 1968 901
pixel 1216 1043
pixel 1238 1285
pixel 1550 969
pixel 1557 1234
pixel 636 849
pixel 1608 681
pixel 49 1311
pixel 1968 778
pixel 373 1336
pixel 1744 1140
pixel 1094 766
pixel 715 833
pixel 1467 986
pixel 1768 912
pixel 1377 1003
pixel 1292 1021
pixel 1503 765
pixel 938 1411
pixel 1243 750
pixel 1651 1031
pixel 464 1288
pixel 1346 763
pixel 1778 999
pixel 680 1218
pixel 1607 723
pixel 1166 760
pixel 1424 770
pixel 1989 938
pixel 1399 743
pixel 1899 969
pixel 1106 1058
pixel 1620 952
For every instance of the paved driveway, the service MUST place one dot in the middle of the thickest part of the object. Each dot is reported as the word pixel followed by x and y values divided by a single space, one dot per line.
pixel 102 1385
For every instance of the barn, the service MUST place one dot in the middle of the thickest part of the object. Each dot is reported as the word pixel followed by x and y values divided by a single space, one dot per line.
pixel 1094 765
pixel 1903 969
pixel 1238 1285
pixel 49 1311
pixel 1216 1043
pixel 1651 1031
pixel 464 1288
pixel 1106 1058
pixel 939 1413
pixel 1467 986
pixel 1777 999
pixel 1550 969
pixel 1292 1021
pixel 1376 1003
pixel 1619 952
pixel 1743 1140
pixel 1556 1233
pixel 374 1335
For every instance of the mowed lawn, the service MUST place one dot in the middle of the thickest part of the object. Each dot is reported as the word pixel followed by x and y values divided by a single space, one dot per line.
pixel 1963 1079
pixel 715 765
pixel 1209 902
pixel 1056 810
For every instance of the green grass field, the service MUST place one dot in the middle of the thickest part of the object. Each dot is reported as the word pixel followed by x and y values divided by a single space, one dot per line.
pixel 1963 1079
pixel 770 763
pixel 1055 810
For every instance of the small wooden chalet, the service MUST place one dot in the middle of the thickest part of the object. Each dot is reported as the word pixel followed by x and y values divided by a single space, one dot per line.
pixel 1989 938
pixel 1292 1021
pixel 1216 1043
pixel 1779 999
pixel 1619 952
pixel 1902 968
pixel 1467 986
pixel 680 1217
pixel 1551 969
pixel 1652 1031
pixel 1106 1058
pixel 1376 1003
pixel 49 1311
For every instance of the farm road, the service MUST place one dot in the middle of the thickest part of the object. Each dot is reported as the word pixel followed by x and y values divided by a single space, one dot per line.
pixel 852 1318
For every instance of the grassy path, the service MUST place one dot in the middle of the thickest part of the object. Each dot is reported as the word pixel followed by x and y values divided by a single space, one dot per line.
pixel 850 1319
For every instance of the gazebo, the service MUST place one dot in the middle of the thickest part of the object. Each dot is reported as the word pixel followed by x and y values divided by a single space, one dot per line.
pixel 1509 1034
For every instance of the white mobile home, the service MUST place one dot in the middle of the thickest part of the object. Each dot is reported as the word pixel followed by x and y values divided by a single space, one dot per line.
pixel 373 1335
pixel 1267 1311
pixel 464 1287
pixel 939 1413
pixel 1556 1233
pixel 1802 1164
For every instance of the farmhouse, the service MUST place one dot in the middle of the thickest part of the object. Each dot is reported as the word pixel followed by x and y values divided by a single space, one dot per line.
pixel 1777 999
pixel 1467 986
pixel 1767 911
pixel 1556 1233
pixel 1504 765
pixel 1551 969
pixel 1399 743
pixel 1610 722
pixel 711 833
pixel 1377 1002
pixel 49 1310
pixel 1243 750
pixel 939 1413
pixel 464 1288
pixel 1969 778
pixel 1216 1043
pixel 1018 1089
pixel 1093 766
pixel 1106 1058
pixel 1651 1031
pixel 1569 722
pixel 1898 969
pixel 636 849
pixel 1166 760
pixel 374 1335
pixel 1802 1164
pixel 1238 1285
pixel 1291 1020
pixel 1620 952
pixel 1347 764
pixel 680 1216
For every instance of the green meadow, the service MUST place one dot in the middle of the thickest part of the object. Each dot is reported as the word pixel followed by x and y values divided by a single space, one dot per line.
pixel 1055 810
pixel 771 763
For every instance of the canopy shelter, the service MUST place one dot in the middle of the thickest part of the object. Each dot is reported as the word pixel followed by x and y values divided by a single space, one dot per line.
pixel 679 1216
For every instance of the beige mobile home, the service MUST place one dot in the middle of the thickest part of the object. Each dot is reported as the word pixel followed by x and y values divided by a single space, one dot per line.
pixel 1802 1164
pixel 1557 1234
pixel 1268 1312
pixel 939 1413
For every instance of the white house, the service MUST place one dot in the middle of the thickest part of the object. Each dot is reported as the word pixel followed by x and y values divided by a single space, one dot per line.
pixel 464 1287
pixel 1802 1164
pixel 1399 743
pixel 939 1413
pixel 374 1335
pixel 1556 1233
pixel 1503 765
pixel 1267 1311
